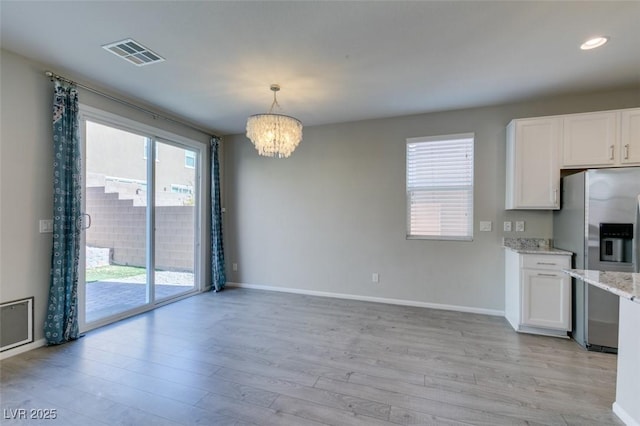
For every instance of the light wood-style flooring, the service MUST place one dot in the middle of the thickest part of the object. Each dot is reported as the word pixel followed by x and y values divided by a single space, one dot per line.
pixel 251 357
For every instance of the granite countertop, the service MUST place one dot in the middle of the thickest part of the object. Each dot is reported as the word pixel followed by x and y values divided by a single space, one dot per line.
pixel 532 246
pixel 623 284
pixel 539 250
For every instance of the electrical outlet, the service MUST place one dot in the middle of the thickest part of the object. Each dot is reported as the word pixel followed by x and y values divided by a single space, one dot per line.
pixel 234 267
pixel 506 226
pixel 375 278
pixel 520 226
pixel 485 226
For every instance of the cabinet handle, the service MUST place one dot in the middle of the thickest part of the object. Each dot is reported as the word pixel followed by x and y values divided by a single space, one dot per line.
pixel 546 263
pixel 540 274
pixel 611 152
pixel 626 152
pixel 555 196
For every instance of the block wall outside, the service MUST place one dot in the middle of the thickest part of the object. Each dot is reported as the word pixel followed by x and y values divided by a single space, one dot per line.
pixel 121 226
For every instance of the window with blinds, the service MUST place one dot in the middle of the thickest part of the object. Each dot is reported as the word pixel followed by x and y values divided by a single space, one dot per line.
pixel 440 187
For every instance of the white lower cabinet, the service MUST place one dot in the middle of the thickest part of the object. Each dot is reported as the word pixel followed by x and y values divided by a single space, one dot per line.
pixel 538 293
pixel 545 299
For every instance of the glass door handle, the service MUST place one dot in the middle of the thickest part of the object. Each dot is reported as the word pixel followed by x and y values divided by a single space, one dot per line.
pixel 85 224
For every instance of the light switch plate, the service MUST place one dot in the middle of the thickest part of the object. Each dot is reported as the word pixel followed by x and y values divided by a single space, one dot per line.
pixel 485 226
pixel 520 226
pixel 46 226
pixel 506 226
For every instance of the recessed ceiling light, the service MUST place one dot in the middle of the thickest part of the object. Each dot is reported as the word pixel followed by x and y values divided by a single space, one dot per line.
pixel 594 42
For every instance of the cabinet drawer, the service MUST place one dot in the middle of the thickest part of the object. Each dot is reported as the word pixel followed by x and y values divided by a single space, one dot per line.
pixel 546 261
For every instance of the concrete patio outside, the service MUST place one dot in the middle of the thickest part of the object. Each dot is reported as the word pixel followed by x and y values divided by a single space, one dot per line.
pixel 105 298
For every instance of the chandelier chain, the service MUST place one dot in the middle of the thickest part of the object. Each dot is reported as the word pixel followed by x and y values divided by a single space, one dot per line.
pixel 274 103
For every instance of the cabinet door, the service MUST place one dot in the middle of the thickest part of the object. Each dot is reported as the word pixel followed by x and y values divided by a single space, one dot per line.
pixel 589 140
pixel 533 169
pixel 630 137
pixel 546 299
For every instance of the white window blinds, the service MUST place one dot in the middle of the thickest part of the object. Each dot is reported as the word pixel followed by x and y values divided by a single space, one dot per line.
pixel 440 187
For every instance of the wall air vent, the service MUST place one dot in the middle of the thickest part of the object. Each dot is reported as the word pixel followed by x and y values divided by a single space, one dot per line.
pixel 132 51
pixel 16 323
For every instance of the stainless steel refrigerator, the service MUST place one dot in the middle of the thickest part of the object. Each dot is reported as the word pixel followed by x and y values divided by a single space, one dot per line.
pixel 598 221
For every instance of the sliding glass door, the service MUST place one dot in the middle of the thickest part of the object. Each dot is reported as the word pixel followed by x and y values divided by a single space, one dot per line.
pixel 175 220
pixel 141 221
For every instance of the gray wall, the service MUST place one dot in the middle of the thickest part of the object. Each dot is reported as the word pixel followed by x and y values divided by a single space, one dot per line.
pixel 321 220
pixel 333 213
pixel 25 176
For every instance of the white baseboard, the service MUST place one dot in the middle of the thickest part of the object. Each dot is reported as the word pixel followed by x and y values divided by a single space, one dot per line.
pixel 623 415
pixel 21 349
pixel 562 334
pixel 402 302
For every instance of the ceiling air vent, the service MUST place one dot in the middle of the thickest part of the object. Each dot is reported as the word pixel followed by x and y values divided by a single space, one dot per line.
pixel 132 51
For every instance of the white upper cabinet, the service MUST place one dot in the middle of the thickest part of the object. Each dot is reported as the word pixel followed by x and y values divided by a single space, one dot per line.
pixel 533 167
pixel 630 136
pixel 590 140
pixel 538 148
pixel 601 139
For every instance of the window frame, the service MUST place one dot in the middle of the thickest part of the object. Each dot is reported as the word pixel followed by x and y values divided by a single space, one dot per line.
pixel 470 211
pixel 146 150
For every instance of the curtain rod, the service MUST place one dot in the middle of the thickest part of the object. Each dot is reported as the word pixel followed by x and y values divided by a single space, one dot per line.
pixel 54 76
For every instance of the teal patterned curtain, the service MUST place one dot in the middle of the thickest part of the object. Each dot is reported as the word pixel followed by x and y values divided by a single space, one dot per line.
pixel 61 322
pixel 218 275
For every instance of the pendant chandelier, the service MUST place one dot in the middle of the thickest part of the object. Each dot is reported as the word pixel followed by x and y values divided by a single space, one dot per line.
pixel 274 135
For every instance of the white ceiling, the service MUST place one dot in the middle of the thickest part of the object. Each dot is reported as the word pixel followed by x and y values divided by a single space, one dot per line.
pixel 336 61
